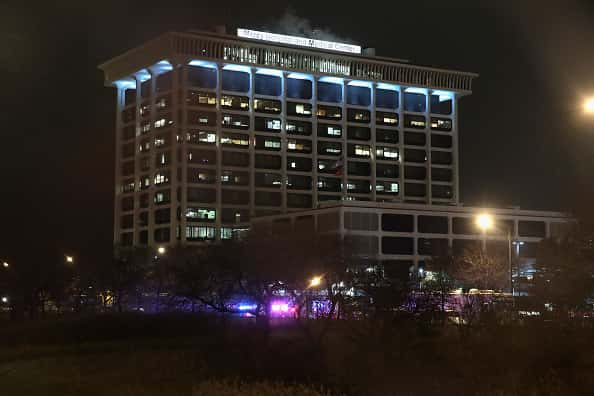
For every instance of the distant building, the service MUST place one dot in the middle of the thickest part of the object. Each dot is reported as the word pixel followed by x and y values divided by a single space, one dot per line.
pixel 213 130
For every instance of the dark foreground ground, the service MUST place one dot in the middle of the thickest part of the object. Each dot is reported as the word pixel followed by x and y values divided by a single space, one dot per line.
pixel 198 355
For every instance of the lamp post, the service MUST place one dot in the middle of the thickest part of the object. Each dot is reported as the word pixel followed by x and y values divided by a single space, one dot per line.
pixel 485 222
pixel 313 282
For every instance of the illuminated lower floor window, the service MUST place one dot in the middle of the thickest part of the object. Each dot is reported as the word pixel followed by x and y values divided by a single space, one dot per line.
pixel 161 178
pixel 200 233
pixel 362 150
pixel 387 187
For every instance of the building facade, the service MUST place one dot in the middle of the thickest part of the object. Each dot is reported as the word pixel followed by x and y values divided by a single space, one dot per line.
pixel 213 130
pixel 400 237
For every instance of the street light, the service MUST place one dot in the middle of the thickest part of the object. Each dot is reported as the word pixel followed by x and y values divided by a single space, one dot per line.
pixel 5 264
pixel 485 222
pixel 315 281
pixel 161 250
pixel 5 299
pixel 589 106
pixel 69 259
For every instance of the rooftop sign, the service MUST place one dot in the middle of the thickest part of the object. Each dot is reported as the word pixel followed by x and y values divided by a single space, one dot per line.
pixel 299 41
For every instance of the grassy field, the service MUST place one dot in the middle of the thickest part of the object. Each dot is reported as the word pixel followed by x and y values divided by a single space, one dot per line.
pixel 196 355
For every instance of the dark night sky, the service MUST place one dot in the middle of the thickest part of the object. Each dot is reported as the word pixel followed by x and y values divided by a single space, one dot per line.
pixel 522 139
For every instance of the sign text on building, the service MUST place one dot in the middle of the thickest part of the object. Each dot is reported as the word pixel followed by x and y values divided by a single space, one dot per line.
pixel 299 41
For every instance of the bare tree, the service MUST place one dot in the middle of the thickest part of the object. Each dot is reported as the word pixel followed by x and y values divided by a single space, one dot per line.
pixel 565 270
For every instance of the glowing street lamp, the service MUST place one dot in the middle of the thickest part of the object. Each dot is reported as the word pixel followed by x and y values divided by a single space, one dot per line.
pixel 69 259
pixel 5 299
pixel 484 221
pixel 161 250
pixel 589 106
pixel 5 264
pixel 315 281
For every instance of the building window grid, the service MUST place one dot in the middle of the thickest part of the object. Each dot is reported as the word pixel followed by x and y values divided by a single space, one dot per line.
pixel 396 127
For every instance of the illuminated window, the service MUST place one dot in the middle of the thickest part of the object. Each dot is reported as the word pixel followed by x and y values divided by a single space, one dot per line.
pixel 200 233
pixel 387 153
pixel 235 178
pixel 163 122
pixel 298 127
pixel 162 102
pixel 202 118
pixel 226 233
pixel 162 159
pixel 145 109
pixel 329 130
pixel 267 106
pixel 235 102
pixel 299 164
pixel 441 124
pixel 386 187
pixel 299 109
pixel 161 178
pixel 128 186
pixel 162 197
pixel 329 184
pixel 201 137
pixel 267 124
pixel 235 139
pixel 145 145
pixel 272 144
pixel 360 150
pixel 159 141
pixel 201 214
pixel 145 182
pixel 274 125
pixel 235 121
pixel 329 148
pixel 329 112
pixel 268 180
pixel 145 127
pixel 356 115
pixel 414 121
pixel 195 98
pixel 299 145
pixel 383 118
pixel 358 186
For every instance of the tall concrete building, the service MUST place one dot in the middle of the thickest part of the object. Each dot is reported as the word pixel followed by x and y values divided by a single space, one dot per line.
pixel 213 130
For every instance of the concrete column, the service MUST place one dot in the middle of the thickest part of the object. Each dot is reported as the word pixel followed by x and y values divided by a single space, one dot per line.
pixel 427 131
pixel 151 190
pixel 183 146
pixel 252 150
pixel 314 147
pixel 455 151
pixel 401 158
pixel 283 150
pixel 218 183
pixel 343 125
pixel 373 145
pixel 120 101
